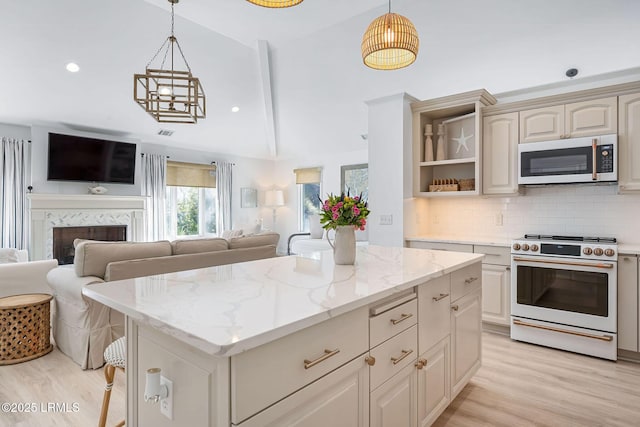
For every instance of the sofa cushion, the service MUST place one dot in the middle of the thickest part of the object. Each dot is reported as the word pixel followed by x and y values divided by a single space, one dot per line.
pixel 194 246
pixel 92 257
pixel 10 255
pixel 262 239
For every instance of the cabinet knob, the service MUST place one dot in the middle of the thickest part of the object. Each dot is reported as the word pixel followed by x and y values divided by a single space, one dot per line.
pixel 454 307
pixel 421 363
pixel 370 360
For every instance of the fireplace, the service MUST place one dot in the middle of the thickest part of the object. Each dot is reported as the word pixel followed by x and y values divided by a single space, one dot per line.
pixel 63 237
pixel 49 211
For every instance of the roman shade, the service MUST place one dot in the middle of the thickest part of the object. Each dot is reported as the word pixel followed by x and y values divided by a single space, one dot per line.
pixel 308 175
pixel 181 174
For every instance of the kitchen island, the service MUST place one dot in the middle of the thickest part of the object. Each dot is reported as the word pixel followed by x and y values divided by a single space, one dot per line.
pixel 301 341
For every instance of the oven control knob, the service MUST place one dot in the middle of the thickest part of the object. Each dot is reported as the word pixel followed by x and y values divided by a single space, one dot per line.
pixel 587 251
pixel 525 247
pixel 534 248
pixel 598 251
pixel 516 246
pixel 609 252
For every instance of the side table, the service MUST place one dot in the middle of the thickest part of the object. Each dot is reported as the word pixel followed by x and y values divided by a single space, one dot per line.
pixel 24 327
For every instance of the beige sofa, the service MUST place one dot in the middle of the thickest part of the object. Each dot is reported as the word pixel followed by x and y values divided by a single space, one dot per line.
pixel 83 328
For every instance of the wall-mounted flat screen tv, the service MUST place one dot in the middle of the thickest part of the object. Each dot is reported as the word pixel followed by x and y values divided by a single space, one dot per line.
pixel 76 158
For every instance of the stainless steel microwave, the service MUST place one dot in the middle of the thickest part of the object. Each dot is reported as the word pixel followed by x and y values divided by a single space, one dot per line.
pixel 589 159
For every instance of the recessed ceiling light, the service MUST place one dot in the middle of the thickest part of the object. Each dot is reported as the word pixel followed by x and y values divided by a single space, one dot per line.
pixel 73 67
pixel 235 109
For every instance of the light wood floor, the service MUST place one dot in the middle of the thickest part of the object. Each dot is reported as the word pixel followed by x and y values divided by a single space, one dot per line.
pixel 527 385
pixel 518 385
pixel 55 378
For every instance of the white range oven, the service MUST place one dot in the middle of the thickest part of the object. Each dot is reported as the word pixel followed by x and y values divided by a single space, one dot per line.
pixel 564 293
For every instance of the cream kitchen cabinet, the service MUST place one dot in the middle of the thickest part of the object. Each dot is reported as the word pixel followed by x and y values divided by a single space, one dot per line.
pixel 434 382
pixel 466 344
pixel 496 284
pixel 500 154
pixel 628 303
pixel 393 404
pixel 586 118
pixel 628 147
pixel 340 398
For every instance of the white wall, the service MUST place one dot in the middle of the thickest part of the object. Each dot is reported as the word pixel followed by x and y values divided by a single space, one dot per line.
pixel 284 178
pixel 390 167
pixel 15 131
pixel 247 172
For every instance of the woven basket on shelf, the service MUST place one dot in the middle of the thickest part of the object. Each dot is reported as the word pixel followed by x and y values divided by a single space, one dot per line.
pixel 467 184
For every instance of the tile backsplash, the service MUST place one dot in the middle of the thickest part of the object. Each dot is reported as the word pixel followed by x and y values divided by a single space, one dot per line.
pixel 577 209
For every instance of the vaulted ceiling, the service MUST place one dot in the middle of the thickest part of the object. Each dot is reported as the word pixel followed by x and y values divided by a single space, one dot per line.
pixel 317 80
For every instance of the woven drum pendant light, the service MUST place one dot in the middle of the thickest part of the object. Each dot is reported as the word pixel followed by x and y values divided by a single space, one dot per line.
pixel 390 42
pixel 275 3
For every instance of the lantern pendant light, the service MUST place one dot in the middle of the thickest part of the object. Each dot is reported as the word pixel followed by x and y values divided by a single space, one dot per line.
pixel 390 42
pixel 170 95
pixel 275 4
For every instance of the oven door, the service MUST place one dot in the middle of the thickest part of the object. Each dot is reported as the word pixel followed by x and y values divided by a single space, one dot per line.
pixel 565 291
pixel 569 160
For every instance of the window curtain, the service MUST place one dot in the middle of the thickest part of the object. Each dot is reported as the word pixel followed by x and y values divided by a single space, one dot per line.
pixel 223 187
pixel 154 180
pixel 13 203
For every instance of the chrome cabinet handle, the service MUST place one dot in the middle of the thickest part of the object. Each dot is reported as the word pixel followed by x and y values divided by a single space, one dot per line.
pixel 327 354
pixel 402 318
pixel 454 307
pixel 442 296
pixel 470 280
pixel 405 353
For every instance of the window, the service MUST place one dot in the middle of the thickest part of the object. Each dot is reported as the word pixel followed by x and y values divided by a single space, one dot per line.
pixel 191 200
pixel 355 180
pixel 308 181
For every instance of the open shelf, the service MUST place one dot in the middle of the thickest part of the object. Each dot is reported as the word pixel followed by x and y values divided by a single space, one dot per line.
pixel 449 162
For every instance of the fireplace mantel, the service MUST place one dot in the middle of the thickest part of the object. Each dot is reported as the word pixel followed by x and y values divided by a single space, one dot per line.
pixel 69 210
pixel 85 201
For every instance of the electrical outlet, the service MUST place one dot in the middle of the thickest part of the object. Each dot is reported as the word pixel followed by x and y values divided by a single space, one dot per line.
pixel 166 404
pixel 386 219
pixel 498 219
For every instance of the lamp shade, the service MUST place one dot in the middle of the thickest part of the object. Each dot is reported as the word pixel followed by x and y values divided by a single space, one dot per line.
pixel 275 3
pixel 390 42
pixel 274 198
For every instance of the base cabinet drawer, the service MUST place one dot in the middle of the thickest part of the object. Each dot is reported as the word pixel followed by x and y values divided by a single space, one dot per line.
pixel 339 399
pixel 393 355
pixel 440 246
pixel 262 376
pixel 466 280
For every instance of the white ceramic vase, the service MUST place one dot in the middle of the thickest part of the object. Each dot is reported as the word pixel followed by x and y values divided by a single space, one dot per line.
pixel 344 245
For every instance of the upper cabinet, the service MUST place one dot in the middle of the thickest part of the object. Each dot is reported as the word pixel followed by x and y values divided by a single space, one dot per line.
pixel 587 118
pixel 628 147
pixel 447 149
pixel 500 154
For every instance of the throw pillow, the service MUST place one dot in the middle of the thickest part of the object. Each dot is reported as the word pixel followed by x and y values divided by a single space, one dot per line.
pixel 228 234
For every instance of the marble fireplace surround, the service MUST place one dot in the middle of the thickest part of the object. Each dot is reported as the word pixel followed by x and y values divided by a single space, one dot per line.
pixel 74 210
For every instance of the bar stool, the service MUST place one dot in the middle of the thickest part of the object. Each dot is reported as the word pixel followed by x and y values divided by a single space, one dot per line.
pixel 115 356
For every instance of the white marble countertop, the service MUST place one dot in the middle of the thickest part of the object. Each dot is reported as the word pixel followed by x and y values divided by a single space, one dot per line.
pixel 229 309
pixel 486 240
pixel 629 249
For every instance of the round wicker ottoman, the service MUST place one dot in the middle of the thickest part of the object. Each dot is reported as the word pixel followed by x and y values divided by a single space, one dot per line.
pixel 24 328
